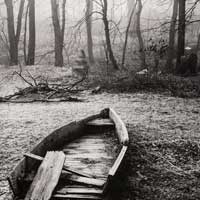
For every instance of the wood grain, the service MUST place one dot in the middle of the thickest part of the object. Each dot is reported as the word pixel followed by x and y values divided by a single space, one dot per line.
pixel 101 122
pixel 78 190
pixel 47 177
pixel 65 168
pixel 76 196
pixel 120 127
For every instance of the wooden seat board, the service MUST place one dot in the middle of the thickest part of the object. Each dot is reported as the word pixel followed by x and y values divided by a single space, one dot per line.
pixel 76 196
pixel 101 122
pixel 78 190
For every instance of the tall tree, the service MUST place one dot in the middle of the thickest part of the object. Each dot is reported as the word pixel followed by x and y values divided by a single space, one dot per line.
pixel 172 33
pixel 131 4
pixel 181 31
pixel 198 44
pixel 25 33
pixel 88 16
pixel 12 35
pixel 59 29
pixel 107 35
pixel 127 33
pixel 31 44
pixel 139 33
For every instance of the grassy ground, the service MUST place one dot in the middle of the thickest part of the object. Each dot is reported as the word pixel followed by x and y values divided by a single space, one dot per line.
pixel 163 160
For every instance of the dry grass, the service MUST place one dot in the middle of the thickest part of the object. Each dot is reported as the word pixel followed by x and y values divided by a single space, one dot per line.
pixel 163 160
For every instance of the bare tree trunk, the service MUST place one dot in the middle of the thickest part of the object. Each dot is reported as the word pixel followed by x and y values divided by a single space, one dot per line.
pixel 11 33
pixel 13 38
pixel 31 44
pixel 25 32
pixel 181 32
pixel 126 34
pixel 107 35
pixel 58 31
pixel 88 15
pixel 139 35
pixel 19 20
pixel 198 44
pixel 131 4
pixel 172 34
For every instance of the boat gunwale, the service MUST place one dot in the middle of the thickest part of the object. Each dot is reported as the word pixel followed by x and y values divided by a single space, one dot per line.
pixel 123 137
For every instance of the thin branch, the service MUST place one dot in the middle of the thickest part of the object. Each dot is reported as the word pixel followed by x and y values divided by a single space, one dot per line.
pixel 20 75
pixel 31 76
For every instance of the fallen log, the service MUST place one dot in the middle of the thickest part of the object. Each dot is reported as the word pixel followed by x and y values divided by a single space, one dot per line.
pixel 69 99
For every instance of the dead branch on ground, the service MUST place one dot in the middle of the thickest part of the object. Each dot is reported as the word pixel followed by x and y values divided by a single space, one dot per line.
pixel 40 91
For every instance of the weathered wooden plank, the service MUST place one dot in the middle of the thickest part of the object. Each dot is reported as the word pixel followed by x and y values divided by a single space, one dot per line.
pixel 47 177
pixel 90 156
pixel 90 139
pixel 33 156
pixel 84 180
pixel 99 182
pixel 76 196
pixel 101 122
pixel 120 127
pixel 100 156
pixel 96 171
pixel 74 151
pixel 114 168
pixel 76 172
pixel 78 190
pixel 65 168
pixel 86 145
pixel 118 161
pixel 88 163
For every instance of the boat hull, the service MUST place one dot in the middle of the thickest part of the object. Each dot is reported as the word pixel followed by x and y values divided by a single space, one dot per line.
pixel 85 145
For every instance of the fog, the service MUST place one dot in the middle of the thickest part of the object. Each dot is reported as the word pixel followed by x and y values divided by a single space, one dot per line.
pixel 153 14
pixel 75 11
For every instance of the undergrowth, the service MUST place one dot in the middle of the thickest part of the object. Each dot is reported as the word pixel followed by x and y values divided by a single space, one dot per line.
pixel 162 169
pixel 127 81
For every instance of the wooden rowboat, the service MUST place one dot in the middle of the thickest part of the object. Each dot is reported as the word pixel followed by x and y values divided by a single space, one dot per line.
pixel 94 149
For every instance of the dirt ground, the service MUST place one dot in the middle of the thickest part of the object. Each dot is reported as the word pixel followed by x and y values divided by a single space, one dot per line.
pixel 163 160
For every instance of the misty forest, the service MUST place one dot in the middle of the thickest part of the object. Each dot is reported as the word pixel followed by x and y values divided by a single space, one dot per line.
pixel 64 60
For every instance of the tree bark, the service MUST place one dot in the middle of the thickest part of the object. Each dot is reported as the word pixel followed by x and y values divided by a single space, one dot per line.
pixel 107 35
pixel 58 31
pixel 19 20
pixel 172 34
pixel 126 34
pixel 31 44
pixel 11 33
pixel 198 44
pixel 88 15
pixel 139 35
pixel 181 32
pixel 14 37
pixel 131 4
pixel 25 33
